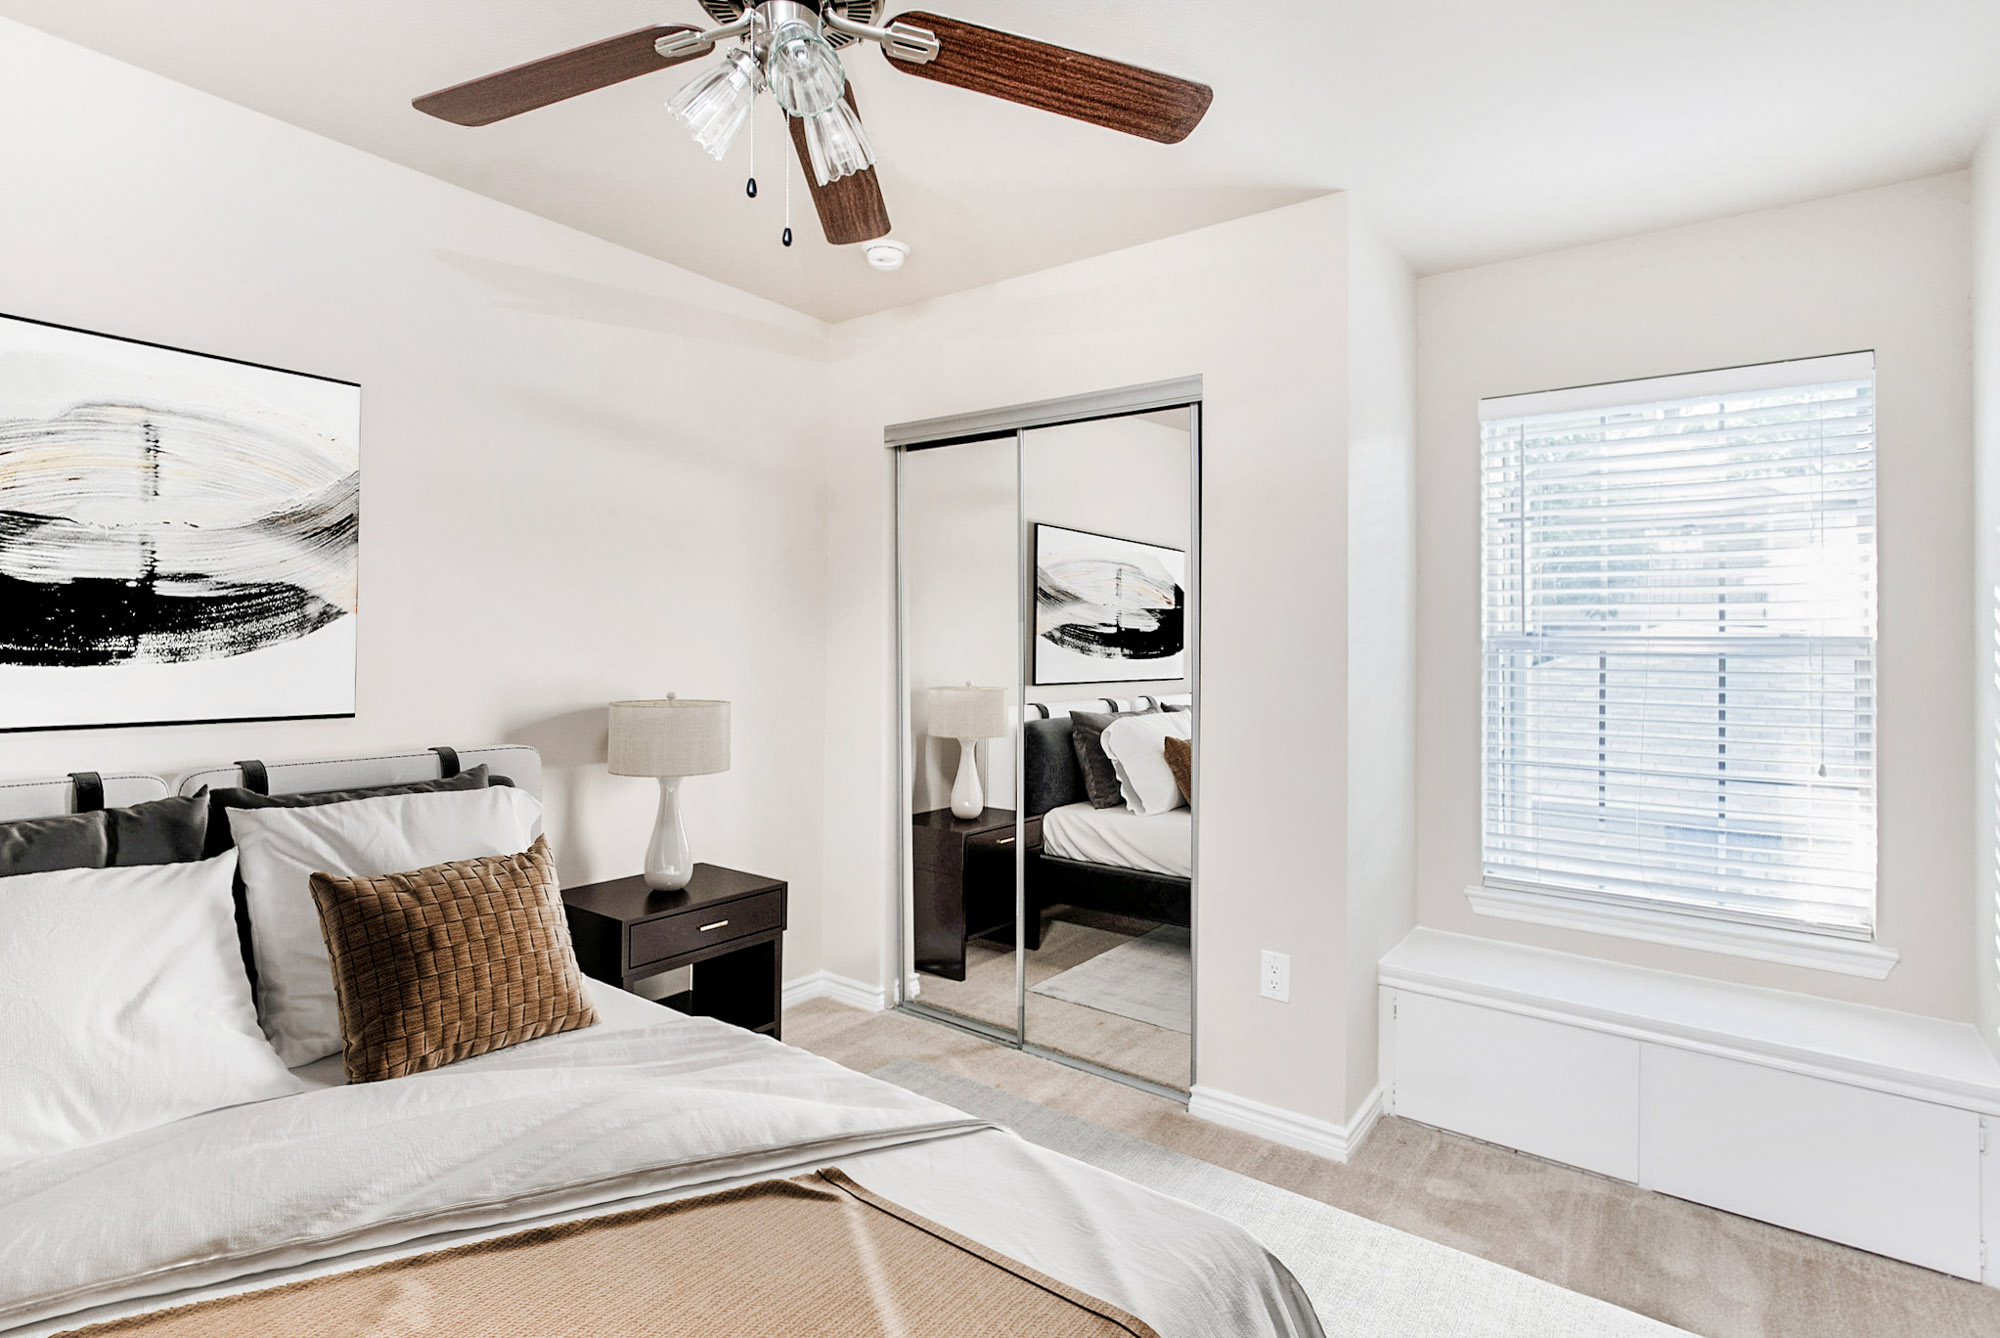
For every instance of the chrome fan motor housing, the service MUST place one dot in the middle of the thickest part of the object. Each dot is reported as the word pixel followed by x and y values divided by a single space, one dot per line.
pixel 858 11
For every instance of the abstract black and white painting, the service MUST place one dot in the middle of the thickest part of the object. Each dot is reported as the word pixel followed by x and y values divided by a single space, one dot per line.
pixel 1107 610
pixel 179 535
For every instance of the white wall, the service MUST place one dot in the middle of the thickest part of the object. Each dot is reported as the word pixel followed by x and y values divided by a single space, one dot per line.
pixel 1382 639
pixel 1259 308
pixel 1985 854
pixel 577 485
pixel 1884 269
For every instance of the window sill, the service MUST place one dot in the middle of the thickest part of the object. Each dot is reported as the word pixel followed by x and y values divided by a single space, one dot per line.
pixel 1791 947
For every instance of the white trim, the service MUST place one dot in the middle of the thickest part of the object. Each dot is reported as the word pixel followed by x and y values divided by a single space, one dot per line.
pixel 1319 1137
pixel 1901 1054
pixel 840 989
pixel 1686 385
pixel 1765 943
pixel 1989 1200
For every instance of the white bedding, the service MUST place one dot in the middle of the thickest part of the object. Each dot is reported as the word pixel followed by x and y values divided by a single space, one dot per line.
pixel 1160 843
pixel 648 1106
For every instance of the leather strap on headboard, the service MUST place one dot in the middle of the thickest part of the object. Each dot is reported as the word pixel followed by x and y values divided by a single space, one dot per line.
pixel 89 790
pixel 256 778
pixel 447 762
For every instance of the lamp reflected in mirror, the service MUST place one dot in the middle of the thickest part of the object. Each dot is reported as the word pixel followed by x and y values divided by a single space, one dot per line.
pixel 968 714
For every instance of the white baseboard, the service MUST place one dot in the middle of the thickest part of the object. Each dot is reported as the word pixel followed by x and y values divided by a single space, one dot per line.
pixel 1322 1138
pixel 840 989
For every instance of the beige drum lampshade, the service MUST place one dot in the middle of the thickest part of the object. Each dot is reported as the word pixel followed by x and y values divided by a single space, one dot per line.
pixel 968 713
pixel 674 737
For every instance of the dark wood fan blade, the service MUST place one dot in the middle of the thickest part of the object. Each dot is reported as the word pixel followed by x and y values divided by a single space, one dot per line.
pixel 851 209
pixel 552 79
pixel 1103 92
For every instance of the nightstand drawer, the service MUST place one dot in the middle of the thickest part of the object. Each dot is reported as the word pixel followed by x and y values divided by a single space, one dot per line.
pixel 672 935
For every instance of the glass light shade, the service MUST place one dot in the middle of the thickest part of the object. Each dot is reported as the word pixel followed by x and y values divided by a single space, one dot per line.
pixel 804 73
pixel 837 144
pixel 716 105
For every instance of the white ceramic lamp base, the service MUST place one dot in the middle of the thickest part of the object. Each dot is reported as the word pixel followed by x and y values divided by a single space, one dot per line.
pixel 968 797
pixel 669 863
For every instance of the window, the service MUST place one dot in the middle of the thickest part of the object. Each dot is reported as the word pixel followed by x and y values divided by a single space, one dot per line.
pixel 1679 644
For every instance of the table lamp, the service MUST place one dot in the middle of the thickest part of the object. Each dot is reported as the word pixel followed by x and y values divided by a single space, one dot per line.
pixel 669 739
pixel 968 714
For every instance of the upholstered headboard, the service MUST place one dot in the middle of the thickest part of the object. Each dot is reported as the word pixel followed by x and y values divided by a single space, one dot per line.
pixel 1050 775
pixel 520 764
pixel 51 798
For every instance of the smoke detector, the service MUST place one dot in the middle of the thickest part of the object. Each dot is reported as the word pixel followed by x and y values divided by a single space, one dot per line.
pixel 886 255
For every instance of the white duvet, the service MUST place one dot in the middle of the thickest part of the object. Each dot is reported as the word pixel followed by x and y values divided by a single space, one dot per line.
pixel 598 1120
pixel 1159 843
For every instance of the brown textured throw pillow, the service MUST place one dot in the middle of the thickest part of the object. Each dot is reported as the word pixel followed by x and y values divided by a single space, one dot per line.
pixel 449 962
pixel 1180 761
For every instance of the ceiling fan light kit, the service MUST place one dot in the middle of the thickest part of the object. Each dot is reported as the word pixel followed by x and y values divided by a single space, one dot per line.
pixel 837 144
pixel 715 107
pixel 791 48
pixel 805 75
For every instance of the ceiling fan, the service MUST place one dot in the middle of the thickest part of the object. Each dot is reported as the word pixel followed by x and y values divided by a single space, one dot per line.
pixel 790 49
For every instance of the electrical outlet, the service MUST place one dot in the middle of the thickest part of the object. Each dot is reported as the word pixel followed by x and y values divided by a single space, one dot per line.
pixel 1275 980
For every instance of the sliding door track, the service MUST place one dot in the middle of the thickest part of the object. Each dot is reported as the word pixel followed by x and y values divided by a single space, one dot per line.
pixel 986 1031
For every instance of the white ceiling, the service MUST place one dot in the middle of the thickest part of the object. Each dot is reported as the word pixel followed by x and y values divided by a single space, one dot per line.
pixel 1469 129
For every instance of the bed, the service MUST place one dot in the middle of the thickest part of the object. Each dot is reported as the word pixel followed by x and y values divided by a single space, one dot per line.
pixel 1101 859
pixel 506 1160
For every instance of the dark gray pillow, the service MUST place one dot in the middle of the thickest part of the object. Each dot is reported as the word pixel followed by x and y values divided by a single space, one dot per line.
pixel 44 845
pixel 1100 778
pixel 162 831
pixel 221 801
pixel 1050 774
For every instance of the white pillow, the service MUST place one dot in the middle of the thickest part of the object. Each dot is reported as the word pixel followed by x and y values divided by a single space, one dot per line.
pixel 1137 747
pixel 123 1005
pixel 282 848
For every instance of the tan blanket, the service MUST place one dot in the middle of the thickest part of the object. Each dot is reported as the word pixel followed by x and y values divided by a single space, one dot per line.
pixel 818 1255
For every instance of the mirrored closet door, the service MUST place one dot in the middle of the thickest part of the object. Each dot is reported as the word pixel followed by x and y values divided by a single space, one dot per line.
pixel 1108 964
pixel 1049 586
pixel 960 561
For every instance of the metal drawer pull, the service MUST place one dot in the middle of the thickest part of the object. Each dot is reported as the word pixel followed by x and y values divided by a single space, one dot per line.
pixel 717 925
pixel 1004 841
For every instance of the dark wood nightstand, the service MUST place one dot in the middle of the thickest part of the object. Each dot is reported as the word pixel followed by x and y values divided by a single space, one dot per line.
pixel 963 875
pixel 728 925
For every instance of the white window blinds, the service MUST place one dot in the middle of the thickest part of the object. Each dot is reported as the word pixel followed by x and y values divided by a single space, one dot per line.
pixel 1679 624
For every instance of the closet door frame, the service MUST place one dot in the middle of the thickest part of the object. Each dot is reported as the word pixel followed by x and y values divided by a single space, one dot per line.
pixel 988 425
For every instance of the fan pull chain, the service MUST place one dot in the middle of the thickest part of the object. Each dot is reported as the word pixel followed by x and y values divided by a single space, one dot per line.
pixel 788 193
pixel 750 189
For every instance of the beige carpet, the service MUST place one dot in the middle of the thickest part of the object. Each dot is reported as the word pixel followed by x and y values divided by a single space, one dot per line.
pixel 1705 1271
pixel 1069 939
pixel 1363 1277
pixel 1149 979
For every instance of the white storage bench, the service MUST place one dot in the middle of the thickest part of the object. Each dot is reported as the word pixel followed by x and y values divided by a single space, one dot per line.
pixel 1861 1125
